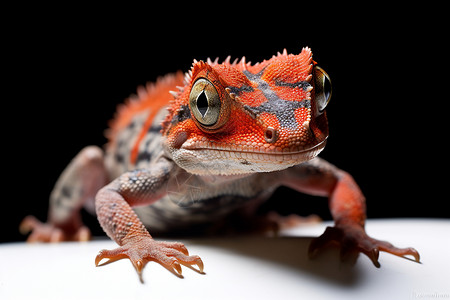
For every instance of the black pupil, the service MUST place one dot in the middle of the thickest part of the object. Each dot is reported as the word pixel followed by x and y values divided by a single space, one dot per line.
pixel 327 88
pixel 202 103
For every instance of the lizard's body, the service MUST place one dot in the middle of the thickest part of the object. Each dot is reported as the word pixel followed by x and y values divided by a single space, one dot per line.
pixel 199 199
pixel 225 140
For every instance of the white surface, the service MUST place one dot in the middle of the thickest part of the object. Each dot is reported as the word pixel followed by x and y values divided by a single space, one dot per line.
pixel 239 268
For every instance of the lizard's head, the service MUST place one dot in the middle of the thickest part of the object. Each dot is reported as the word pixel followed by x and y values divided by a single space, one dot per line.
pixel 235 118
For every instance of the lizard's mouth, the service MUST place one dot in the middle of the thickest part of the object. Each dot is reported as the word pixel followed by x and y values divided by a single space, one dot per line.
pixel 233 159
pixel 262 155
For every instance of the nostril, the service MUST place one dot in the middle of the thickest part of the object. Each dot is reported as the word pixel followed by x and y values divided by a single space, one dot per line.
pixel 270 135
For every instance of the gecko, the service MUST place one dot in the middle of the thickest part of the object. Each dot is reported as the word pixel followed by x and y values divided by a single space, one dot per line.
pixel 192 148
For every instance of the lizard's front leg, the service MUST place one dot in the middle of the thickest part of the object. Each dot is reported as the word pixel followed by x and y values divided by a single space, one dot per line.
pixel 120 222
pixel 347 206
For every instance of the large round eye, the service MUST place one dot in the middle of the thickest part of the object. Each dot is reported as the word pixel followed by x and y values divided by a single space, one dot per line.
pixel 205 102
pixel 322 88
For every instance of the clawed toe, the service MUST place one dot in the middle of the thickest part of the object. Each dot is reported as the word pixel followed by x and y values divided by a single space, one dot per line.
pixel 189 261
pixel 176 246
pixel 401 252
pixel 110 255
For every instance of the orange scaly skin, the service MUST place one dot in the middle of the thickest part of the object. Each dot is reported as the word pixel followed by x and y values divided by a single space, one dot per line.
pixel 229 135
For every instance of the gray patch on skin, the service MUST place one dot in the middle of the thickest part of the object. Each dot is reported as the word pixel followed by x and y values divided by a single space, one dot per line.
pixel 284 110
pixel 300 84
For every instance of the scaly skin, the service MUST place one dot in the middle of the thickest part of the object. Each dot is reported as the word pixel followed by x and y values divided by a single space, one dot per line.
pixel 227 138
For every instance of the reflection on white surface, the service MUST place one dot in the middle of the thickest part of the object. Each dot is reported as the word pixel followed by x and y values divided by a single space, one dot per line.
pixel 239 268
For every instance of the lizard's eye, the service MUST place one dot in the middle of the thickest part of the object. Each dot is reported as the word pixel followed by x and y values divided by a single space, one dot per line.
pixel 205 102
pixel 322 88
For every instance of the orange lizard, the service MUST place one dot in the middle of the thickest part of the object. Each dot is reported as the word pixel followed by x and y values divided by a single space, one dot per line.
pixel 192 148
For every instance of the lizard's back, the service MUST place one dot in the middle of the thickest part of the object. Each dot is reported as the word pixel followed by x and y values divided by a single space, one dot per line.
pixel 134 133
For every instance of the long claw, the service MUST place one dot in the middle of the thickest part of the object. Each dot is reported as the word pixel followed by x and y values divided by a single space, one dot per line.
pixel 373 255
pixel 176 265
pixel 200 265
pixel 413 252
pixel 98 258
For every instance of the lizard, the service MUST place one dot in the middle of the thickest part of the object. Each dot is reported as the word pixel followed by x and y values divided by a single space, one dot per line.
pixel 195 147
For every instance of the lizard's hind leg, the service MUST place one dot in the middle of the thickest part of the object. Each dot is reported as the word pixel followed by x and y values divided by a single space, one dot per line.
pixel 77 186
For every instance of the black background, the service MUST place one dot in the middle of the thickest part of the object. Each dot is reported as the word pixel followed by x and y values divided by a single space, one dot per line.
pixel 67 73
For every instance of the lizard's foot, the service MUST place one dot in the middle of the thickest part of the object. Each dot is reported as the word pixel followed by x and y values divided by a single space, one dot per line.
pixel 49 233
pixel 352 239
pixel 143 250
